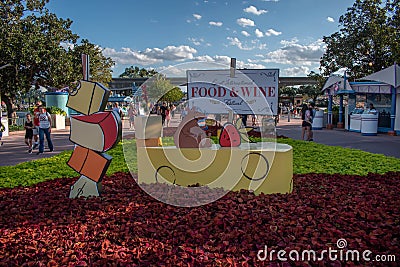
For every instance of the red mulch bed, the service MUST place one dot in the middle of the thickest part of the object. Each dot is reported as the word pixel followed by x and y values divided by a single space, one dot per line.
pixel 41 226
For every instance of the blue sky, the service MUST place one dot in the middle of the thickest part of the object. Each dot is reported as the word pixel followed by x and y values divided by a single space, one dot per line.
pixel 284 34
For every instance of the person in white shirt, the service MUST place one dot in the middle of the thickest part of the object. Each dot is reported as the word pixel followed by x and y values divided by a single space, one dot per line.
pixel 44 129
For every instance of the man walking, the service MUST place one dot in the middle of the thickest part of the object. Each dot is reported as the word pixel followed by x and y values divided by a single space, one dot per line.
pixel 36 113
pixel 44 130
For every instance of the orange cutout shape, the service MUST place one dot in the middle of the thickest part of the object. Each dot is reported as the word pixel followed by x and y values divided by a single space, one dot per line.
pixel 89 163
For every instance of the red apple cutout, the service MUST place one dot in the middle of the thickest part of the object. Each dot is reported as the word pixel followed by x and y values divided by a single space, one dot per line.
pixel 230 136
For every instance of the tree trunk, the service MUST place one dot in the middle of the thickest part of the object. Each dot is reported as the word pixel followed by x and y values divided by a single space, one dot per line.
pixel 10 108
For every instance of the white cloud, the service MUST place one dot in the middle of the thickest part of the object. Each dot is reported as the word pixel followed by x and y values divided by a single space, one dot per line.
pixel 173 53
pixel 150 55
pixel 272 32
pixel 195 41
pixel 296 71
pixel 245 33
pixel 197 16
pixel 128 56
pixel 270 0
pixel 247 46
pixel 245 22
pixel 252 66
pixel 225 60
pixel 330 19
pixel 214 23
pixel 198 41
pixel 254 10
pixel 259 33
pixel 293 53
pixel 236 42
pixel 67 45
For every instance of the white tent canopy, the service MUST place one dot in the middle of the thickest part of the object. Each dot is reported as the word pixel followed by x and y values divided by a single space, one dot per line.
pixel 390 75
pixel 334 79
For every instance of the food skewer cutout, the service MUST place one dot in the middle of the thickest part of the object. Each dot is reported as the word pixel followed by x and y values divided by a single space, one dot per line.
pixel 93 132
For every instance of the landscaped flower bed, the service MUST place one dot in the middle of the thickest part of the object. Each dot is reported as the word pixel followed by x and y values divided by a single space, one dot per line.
pixel 338 193
pixel 40 226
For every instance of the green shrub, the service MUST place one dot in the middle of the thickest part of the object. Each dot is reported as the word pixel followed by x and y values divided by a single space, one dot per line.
pixel 56 110
pixel 13 128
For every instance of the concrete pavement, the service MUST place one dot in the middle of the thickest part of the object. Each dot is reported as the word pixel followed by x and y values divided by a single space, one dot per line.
pixel 14 150
pixel 380 144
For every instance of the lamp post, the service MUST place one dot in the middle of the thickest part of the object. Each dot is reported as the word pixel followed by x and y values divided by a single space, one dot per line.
pixel 340 121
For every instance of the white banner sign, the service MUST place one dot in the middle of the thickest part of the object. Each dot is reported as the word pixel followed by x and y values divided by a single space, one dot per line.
pixel 247 92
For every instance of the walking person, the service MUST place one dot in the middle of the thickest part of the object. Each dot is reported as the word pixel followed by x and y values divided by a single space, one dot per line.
pixel 168 116
pixel 29 132
pixel 172 108
pixel 44 130
pixel 132 112
pixel 118 110
pixel 36 113
pixel 2 129
pixel 305 125
pixel 163 112
pixel 311 117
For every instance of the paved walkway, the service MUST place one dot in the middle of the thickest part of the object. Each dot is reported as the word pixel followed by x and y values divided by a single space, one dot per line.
pixel 380 144
pixel 14 150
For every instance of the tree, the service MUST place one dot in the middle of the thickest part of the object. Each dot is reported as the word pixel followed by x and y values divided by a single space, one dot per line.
pixel 173 95
pixel 367 40
pixel 311 91
pixel 39 48
pixel 314 90
pixel 99 65
pixel 158 87
pixel 29 39
pixel 134 72
pixel 288 91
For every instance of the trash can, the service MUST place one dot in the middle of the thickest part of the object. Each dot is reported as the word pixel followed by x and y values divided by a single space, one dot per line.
pixel 318 120
pixel 369 124
pixel 355 123
pixel 57 99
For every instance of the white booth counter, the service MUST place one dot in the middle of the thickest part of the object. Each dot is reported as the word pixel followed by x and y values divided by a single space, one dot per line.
pixel 355 123
pixel 369 124
pixel 318 120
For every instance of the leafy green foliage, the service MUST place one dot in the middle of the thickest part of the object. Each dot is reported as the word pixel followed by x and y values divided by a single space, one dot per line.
pixel 39 48
pixel 99 65
pixel 173 95
pixel 13 128
pixel 157 87
pixel 135 72
pixel 308 157
pixel 56 110
pixel 367 40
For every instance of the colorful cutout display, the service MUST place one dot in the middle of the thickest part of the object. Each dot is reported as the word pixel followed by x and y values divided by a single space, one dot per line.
pixel 243 130
pixel 88 98
pixel 260 167
pixel 93 132
pixel 148 127
pixel 84 187
pixel 89 163
pixel 99 131
pixel 230 136
pixel 189 134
